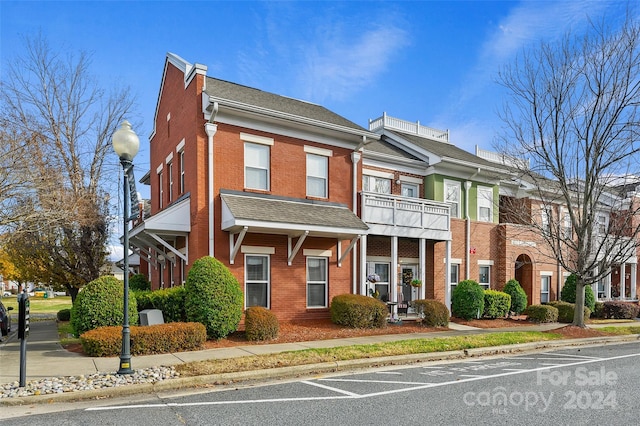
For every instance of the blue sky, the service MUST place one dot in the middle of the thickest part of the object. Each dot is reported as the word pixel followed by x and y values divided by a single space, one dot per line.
pixel 429 61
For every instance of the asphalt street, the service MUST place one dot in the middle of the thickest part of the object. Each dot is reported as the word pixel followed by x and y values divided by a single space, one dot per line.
pixel 587 385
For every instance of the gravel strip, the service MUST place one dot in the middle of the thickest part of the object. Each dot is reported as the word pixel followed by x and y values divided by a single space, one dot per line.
pixel 57 385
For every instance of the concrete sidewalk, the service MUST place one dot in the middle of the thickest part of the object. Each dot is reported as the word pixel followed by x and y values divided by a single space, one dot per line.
pixel 45 357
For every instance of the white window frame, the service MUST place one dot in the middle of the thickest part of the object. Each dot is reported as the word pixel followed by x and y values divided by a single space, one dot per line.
pixel 485 201
pixel 567 228
pixel 324 282
pixel 372 269
pixel 545 294
pixel 456 185
pixel 251 164
pixel 324 179
pixel 370 184
pixel 248 282
pixel 545 218
pixel 161 189
pixel 602 223
pixel 170 171
pixel 487 284
pixel 412 186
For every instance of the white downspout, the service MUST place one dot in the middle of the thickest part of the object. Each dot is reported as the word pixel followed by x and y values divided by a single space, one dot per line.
pixel 211 130
pixel 355 159
pixel 467 187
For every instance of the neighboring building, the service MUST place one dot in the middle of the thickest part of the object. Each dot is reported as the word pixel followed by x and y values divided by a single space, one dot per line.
pixel 302 204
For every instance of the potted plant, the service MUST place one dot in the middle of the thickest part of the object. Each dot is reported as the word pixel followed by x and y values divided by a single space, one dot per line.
pixel 416 283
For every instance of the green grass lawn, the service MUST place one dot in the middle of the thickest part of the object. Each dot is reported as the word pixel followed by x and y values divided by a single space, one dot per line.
pixel 40 305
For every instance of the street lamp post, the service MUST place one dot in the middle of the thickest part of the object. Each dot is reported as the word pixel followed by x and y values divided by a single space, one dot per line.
pixel 126 145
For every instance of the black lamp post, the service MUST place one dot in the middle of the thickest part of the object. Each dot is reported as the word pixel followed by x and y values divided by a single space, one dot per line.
pixel 126 145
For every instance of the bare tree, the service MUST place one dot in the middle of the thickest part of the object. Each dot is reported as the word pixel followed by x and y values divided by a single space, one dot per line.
pixel 573 111
pixel 61 121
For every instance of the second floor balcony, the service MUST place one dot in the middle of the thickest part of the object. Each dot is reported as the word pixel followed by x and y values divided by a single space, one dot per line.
pixel 393 215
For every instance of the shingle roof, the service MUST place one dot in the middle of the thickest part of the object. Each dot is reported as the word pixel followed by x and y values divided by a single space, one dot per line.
pixel 386 148
pixel 443 149
pixel 267 208
pixel 235 92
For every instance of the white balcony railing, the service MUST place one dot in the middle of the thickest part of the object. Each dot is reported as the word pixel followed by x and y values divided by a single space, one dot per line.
pixel 414 128
pixel 393 210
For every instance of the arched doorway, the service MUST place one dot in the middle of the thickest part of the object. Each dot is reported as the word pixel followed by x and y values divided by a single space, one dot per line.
pixel 523 272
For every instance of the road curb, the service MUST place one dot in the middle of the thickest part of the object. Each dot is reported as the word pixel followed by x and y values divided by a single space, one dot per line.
pixel 305 370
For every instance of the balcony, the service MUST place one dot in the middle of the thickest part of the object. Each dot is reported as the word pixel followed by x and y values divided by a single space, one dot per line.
pixel 391 123
pixel 393 215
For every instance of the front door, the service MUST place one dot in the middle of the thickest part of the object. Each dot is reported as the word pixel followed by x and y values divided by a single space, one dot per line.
pixel 409 292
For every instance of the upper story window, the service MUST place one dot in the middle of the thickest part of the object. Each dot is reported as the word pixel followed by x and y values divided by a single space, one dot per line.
pixel 317 175
pixel 160 186
pixel 409 190
pixel 485 204
pixel 602 224
pixel 256 166
pixel 452 196
pixel 376 184
pixel 181 158
pixel 170 171
pixel 566 225
pixel 545 216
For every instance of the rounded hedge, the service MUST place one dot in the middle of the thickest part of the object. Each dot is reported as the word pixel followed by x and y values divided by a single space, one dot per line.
pixel 213 297
pixel 541 313
pixel 496 304
pixel 431 312
pixel 566 311
pixel 357 311
pixel 568 293
pixel 100 304
pixel 260 324
pixel 169 300
pixel 467 300
pixel 518 296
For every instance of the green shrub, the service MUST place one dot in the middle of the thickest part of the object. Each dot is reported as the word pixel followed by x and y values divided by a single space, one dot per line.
pixel 171 301
pixel 599 311
pixel 213 297
pixel 152 339
pixel 64 315
pixel 620 310
pixel 566 311
pixel 432 312
pixel 542 313
pixel 568 293
pixel 518 296
pixel 496 304
pixel 139 282
pixel 467 300
pixel 356 311
pixel 260 324
pixel 100 303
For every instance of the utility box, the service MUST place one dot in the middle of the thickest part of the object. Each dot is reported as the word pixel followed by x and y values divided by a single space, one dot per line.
pixel 151 317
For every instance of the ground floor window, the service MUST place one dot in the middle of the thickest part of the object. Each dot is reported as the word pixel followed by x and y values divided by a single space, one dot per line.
pixel 485 276
pixel 381 272
pixel 317 284
pixel 454 276
pixel 602 290
pixel 257 279
pixel 545 285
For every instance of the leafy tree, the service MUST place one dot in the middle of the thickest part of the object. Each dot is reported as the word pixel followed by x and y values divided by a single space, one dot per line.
pixel 59 122
pixel 573 113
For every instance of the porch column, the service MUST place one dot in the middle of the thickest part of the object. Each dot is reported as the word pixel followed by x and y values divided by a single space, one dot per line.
pixel 211 130
pixel 607 285
pixel 393 273
pixel 422 274
pixel 634 273
pixel 447 274
pixel 594 286
pixel 623 281
pixel 363 265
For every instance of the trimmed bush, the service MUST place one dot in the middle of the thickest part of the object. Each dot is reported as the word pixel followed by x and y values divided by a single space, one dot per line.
pixel 518 296
pixel 467 300
pixel 542 313
pixel 599 311
pixel 568 293
pixel 213 297
pixel 64 315
pixel 620 310
pixel 357 311
pixel 100 304
pixel 566 311
pixel 260 324
pixel 171 301
pixel 432 312
pixel 139 282
pixel 496 304
pixel 153 339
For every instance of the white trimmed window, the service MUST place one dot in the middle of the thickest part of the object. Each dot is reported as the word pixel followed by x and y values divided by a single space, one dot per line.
pixel 161 189
pixel 484 278
pixel 485 204
pixel 381 270
pixel 181 172
pixel 376 184
pixel 568 230
pixel 170 171
pixel 257 280
pixel 409 190
pixel 317 282
pixel 256 166
pixel 545 216
pixel 545 285
pixel 603 224
pixel 452 196
pixel 317 175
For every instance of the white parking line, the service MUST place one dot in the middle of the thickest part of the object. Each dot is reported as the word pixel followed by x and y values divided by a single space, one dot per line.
pixel 351 395
pixel 395 373
pixel 375 381
pixel 571 355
